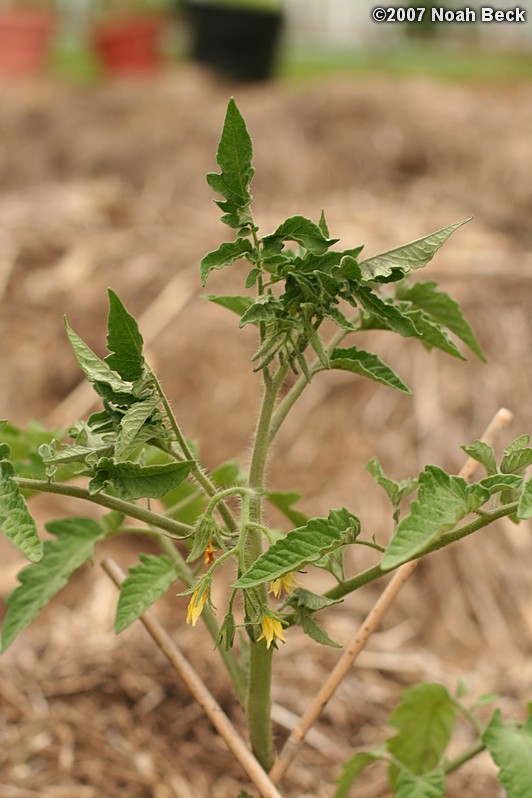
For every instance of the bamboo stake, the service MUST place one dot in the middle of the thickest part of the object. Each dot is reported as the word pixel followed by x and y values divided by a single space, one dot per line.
pixel 200 693
pixel 368 626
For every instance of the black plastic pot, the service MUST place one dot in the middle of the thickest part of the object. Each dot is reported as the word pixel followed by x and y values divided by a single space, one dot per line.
pixel 238 43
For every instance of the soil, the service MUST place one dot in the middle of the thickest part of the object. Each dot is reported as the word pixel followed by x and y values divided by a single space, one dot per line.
pixel 105 187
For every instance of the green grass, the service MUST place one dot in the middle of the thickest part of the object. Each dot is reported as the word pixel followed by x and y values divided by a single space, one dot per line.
pixel 409 58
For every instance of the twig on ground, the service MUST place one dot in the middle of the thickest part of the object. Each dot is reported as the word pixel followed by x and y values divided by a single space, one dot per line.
pixel 201 694
pixel 368 626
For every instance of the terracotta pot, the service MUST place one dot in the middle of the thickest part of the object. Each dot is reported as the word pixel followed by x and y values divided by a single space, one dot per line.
pixel 25 37
pixel 238 43
pixel 130 46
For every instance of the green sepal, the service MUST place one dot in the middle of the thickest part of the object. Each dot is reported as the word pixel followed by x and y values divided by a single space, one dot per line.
pixel 124 341
pixel 368 365
pixel 144 584
pixel 16 521
pixel 400 261
pixel 226 632
pixel 302 546
pixel 133 481
pixel 74 545
pixel 225 255
pixel 205 530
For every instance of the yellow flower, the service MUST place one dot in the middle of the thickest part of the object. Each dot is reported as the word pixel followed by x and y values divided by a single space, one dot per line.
pixel 271 630
pixel 208 554
pixel 195 606
pixel 288 583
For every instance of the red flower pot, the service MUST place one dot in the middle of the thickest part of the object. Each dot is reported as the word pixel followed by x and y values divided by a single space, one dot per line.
pixel 24 41
pixel 132 46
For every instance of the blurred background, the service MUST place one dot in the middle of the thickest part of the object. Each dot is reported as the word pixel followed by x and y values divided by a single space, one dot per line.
pixel 110 114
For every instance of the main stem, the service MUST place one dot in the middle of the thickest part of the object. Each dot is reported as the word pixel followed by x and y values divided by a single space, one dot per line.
pixel 258 704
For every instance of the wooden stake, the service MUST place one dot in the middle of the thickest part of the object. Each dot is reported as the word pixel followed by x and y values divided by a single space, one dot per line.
pixel 369 625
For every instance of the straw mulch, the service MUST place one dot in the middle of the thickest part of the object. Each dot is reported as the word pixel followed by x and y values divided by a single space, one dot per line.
pixel 106 187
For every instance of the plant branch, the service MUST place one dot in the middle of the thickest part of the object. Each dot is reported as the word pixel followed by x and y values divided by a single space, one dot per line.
pixel 201 694
pixel 299 386
pixel 366 629
pixel 175 529
pixel 464 757
pixel 371 574
pixel 258 705
pixel 197 472
pixel 207 616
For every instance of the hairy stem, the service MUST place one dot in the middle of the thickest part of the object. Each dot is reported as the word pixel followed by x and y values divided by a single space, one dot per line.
pixel 174 528
pixel 258 706
pixel 197 472
pixel 371 574
pixel 299 386
pixel 464 757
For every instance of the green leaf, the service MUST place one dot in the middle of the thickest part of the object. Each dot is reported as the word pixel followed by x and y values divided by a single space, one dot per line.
pixel 284 500
pixel 142 587
pixel 228 474
pixel 432 335
pixel 524 509
pixel 425 719
pixel 16 521
pixel 511 749
pixel 234 155
pixel 301 597
pixel 517 456
pixel 430 785
pixel 302 546
pixel 263 309
pixel 303 231
pixel 132 422
pixel 366 364
pixel 484 454
pixel 71 454
pixel 74 544
pixel 314 630
pixel 133 481
pixel 387 314
pixel 322 224
pixel 124 341
pixel 499 482
pixel 411 256
pixel 223 256
pixel 442 501
pixel 352 768
pixel 396 491
pixel 95 369
pixel 443 310
pixel 238 304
